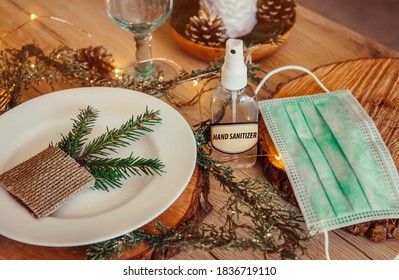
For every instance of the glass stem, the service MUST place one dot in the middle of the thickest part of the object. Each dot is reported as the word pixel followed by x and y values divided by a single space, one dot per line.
pixel 144 67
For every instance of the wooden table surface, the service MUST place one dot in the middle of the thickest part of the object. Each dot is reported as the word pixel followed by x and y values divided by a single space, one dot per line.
pixel 315 41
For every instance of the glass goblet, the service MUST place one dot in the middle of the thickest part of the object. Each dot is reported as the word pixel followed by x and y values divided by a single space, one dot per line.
pixel 141 18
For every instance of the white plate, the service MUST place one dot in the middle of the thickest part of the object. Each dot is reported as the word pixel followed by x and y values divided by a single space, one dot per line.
pixel 95 215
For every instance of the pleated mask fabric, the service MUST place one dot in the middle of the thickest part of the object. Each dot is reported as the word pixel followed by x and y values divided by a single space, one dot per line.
pixel 339 167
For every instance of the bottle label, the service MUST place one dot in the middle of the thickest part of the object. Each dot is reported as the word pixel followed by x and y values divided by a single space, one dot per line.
pixel 234 138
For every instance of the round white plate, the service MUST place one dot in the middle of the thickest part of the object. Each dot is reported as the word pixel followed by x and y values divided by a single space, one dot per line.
pixel 95 215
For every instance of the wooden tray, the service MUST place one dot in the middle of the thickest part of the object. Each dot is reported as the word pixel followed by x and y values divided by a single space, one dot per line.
pixel 261 37
pixel 192 204
pixel 375 84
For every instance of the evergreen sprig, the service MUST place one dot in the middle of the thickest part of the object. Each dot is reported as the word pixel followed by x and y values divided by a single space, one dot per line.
pixel 73 142
pixel 115 138
pixel 109 172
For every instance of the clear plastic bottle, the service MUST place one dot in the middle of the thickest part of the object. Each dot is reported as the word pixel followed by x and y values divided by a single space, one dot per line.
pixel 234 112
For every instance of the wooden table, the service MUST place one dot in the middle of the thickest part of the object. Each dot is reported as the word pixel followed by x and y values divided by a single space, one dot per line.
pixel 315 41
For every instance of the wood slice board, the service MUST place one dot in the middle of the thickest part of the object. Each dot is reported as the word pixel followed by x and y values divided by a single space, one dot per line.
pixel 375 84
pixel 187 206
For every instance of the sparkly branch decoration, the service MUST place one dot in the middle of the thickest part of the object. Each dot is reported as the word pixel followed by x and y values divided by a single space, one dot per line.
pixel 20 69
pixel 272 227
pixel 92 66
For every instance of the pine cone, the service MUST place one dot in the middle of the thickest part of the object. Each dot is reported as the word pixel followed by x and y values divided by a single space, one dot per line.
pixel 276 10
pixel 97 59
pixel 206 30
pixel 384 229
pixel 358 229
pixel 238 16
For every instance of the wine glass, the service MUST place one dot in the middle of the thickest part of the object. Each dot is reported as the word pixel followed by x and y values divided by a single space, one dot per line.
pixel 141 18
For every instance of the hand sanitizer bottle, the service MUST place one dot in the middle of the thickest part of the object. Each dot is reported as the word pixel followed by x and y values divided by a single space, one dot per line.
pixel 234 112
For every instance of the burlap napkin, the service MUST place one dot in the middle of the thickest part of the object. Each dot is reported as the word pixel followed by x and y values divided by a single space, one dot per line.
pixel 46 181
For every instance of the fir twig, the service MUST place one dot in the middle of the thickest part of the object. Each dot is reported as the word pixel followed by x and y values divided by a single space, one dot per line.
pixel 120 137
pixel 109 172
pixel 73 142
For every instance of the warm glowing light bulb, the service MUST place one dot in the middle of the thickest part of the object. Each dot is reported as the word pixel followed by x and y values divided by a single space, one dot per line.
pixel 277 157
pixel 33 17
pixel 195 82
pixel 116 73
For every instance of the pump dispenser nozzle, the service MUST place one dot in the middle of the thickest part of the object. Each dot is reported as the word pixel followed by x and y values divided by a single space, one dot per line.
pixel 234 70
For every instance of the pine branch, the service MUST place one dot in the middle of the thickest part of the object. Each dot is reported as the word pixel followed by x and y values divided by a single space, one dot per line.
pixel 73 142
pixel 120 137
pixel 110 171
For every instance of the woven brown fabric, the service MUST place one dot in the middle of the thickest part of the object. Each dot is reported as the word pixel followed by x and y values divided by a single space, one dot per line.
pixel 46 181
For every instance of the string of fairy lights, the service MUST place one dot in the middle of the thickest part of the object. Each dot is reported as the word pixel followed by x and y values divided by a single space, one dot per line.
pixel 33 17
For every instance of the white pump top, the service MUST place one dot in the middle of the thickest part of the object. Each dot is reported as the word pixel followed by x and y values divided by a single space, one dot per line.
pixel 234 70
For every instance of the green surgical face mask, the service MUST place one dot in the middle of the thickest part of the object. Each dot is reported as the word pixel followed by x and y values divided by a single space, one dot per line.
pixel 339 167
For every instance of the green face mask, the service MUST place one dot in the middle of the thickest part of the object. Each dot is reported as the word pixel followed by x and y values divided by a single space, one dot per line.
pixel 338 165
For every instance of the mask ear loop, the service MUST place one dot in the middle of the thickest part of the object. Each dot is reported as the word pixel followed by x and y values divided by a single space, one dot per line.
pixel 290 67
pixel 326 245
